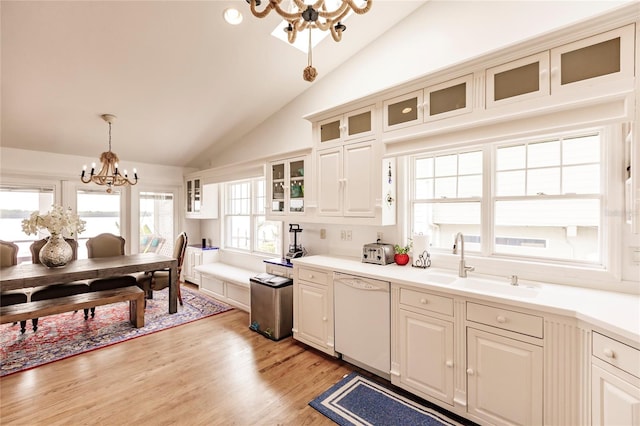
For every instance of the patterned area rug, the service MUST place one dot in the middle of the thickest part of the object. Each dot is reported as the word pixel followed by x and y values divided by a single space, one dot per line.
pixel 356 400
pixel 64 335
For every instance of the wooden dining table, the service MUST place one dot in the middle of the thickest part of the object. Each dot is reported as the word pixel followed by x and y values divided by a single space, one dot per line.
pixel 34 275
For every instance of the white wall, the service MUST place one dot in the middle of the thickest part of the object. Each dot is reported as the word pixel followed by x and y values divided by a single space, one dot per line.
pixel 437 35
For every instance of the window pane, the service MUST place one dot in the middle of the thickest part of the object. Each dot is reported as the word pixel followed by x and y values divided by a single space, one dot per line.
pixel 581 180
pixel 470 186
pixel 267 235
pixel 445 187
pixel 424 168
pixel 239 232
pixel 156 223
pixel 510 158
pixel 101 211
pixel 543 181
pixel 581 150
pixel 424 189
pixel 17 203
pixel 446 165
pixel 470 163
pixel 556 229
pixel 442 221
pixel 543 154
pixel 510 183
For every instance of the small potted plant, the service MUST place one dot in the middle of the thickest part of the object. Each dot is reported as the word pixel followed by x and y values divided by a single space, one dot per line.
pixel 402 253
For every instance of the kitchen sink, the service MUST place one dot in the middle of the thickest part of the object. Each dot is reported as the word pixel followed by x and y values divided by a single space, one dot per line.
pixel 440 278
pixel 497 288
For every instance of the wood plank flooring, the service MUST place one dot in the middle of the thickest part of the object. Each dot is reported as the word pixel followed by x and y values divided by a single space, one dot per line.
pixel 213 371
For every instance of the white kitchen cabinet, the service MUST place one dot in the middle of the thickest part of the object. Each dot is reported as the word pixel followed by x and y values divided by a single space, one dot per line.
pixel 522 79
pixel 504 373
pixel 435 102
pixel 345 184
pixel 351 126
pixel 195 256
pixel 201 200
pixel 603 58
pixel 279 270
pixel 313 308
pixel 286 187
pixel 615 382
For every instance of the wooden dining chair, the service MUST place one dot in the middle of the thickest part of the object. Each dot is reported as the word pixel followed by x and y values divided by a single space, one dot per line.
pixel 9 257
pixel 107 245
pixel 157 280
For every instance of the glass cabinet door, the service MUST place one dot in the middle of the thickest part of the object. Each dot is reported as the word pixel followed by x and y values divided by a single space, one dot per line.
pixel 277 187
pixel 330 130
pixel 189 196
pixel 197 196
pixel 296 186
pixel 521 79
pixel 403 111
pixel 448 99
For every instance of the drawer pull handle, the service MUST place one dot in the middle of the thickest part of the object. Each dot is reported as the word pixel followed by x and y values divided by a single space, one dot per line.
pixel 470 371
pixel 423 301
pixel 608 353
pixel 501 319
pixel 449 364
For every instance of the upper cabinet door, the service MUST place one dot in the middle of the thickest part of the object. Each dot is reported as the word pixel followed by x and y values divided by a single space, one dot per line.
pixel 518 80
pixel 403 111
pixel 448 99
pixel 347 127
pixel 606 56
pixel 286 187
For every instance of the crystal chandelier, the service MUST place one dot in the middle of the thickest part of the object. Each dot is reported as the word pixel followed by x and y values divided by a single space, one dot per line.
pixel 109 174
pixel 308 16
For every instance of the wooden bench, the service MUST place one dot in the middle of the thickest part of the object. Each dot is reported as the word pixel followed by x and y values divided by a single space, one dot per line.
pixel 42 308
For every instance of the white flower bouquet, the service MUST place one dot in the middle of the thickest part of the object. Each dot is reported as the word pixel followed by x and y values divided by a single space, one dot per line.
pixel 57 221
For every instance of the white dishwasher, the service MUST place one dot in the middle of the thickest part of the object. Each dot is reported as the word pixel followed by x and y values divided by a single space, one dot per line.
pixel 362 322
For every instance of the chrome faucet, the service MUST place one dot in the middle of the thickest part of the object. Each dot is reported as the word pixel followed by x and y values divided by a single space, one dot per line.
pixel 462 269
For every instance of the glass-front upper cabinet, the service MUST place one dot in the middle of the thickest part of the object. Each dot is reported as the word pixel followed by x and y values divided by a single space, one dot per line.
pixel 443 100
pixel 346 127
pixel 193 196
pixel 518 80
pixel 287 187
pixel 606 56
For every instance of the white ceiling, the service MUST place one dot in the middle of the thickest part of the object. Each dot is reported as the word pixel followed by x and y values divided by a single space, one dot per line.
pixel 178 77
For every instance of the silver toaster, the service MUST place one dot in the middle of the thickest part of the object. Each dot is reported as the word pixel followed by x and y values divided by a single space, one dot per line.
pixel 378 253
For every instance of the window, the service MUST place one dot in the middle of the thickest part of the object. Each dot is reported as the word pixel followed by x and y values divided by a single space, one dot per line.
pixel 156 223
pixel 101 211
pixel 18 202
pixel 446 197
pixel 539 198
pixel 246 227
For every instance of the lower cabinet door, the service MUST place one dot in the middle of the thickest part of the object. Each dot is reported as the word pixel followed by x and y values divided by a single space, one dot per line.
pixel 613 400
pixel 504 379
pixel 311 314
pixel 426 356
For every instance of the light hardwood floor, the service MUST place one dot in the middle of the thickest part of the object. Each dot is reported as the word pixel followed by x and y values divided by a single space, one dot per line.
pixel 214 371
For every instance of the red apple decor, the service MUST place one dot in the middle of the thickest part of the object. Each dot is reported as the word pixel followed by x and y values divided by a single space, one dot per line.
pixel 402 253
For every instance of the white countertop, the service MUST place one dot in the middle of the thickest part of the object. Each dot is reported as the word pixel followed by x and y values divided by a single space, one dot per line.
pixel 614 312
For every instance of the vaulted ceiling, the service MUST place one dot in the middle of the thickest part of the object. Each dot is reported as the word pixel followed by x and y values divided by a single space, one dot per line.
pixel 177 76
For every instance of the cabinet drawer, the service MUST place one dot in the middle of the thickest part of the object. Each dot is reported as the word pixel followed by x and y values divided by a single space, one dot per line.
pixel 319 277
pixel 426 301
pixel 508 320
pixel 616 353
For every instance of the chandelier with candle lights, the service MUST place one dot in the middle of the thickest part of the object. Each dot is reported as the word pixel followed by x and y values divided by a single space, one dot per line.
pixel 109 173
pixel 326 15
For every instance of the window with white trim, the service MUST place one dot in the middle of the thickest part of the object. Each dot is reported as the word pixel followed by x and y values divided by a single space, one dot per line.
pixel 246 226
pixel 537 199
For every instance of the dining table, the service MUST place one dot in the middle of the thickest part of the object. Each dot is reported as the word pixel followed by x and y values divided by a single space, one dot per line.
pixel 29 275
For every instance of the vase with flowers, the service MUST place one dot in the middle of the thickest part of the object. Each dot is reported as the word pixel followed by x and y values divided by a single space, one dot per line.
pixel 402 253
pixel 60 223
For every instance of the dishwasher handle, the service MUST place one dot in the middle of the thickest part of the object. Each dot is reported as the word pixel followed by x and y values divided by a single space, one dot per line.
pixel 362 284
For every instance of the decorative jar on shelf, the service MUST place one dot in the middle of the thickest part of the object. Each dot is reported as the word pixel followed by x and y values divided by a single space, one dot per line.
pixel 56 252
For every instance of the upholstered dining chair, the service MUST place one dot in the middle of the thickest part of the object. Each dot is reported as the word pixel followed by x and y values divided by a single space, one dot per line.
pixel 107 245
pixel 157 280
pixel 9 257
pixel 55 291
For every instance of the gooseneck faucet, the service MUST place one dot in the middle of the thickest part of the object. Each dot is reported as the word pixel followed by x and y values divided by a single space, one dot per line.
pixel 462 269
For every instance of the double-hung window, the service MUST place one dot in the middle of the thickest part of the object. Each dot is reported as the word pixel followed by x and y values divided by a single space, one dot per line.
pixel 246 227
pixel 538 199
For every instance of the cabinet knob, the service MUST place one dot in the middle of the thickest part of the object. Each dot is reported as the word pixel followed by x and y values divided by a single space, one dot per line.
pixel 501 319
pixel 608 353
pixel 449 364
pixel 423 301
pixel 324 319
pixel 470 371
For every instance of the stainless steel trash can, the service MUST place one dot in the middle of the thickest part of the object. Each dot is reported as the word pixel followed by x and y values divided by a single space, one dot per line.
pixel 271 305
